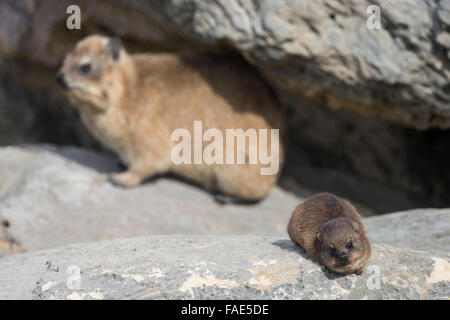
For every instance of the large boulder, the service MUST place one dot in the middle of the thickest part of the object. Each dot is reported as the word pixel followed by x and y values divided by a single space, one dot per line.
pixel 213 267
pixel 321 51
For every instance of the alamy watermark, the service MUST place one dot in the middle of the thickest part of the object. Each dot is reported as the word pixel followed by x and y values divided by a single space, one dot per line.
pixel 74 20
pixel 235 147
pixel 374 19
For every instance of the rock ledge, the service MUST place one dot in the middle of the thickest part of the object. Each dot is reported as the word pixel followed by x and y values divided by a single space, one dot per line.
pixel 212 267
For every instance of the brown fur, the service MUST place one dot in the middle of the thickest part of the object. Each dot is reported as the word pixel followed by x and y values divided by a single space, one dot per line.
pixel 324 225
pixel 133 104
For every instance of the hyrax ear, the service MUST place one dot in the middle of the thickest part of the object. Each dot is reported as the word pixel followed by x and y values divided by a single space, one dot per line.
pixel 113 48
pixel 355 226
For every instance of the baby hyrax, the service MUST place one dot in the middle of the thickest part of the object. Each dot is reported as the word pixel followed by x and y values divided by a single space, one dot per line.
pixel 332 233
pixel 133 103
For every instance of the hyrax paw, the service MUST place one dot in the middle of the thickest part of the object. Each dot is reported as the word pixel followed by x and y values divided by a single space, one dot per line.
pixel 124 179
pixel 222 199
pixel 359 272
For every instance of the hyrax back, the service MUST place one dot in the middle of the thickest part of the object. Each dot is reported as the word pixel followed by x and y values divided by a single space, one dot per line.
pixel 133 104
pixel 332 233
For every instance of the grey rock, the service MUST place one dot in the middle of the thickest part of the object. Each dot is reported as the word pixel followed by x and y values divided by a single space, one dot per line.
pixel 320 51
pixel 421 229
pixel 323 51
pixel 214 267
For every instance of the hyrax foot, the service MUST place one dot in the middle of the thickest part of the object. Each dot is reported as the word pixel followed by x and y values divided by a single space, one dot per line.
pixel 223 199
pixel 359 272
pixel 125 179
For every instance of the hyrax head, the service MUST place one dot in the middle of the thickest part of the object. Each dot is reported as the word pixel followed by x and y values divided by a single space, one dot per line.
pixel 88 72
pixel 342 246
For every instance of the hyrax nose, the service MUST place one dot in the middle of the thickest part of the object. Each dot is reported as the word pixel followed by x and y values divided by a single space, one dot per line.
pixel 59 77
pixel 343 256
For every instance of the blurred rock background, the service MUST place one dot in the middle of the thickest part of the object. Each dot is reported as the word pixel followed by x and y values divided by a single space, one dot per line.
pixel 369 110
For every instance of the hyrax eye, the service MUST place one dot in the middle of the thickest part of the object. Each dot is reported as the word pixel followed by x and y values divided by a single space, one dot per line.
pixel 349 245
pixel 85 68
pixel 332 251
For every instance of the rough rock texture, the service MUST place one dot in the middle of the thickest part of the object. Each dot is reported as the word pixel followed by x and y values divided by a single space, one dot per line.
pixel 51 197
pixel 208 267
pixel 319 50
pixel 323 51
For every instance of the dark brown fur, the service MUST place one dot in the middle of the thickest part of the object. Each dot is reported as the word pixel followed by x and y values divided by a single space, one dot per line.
pixel 324 225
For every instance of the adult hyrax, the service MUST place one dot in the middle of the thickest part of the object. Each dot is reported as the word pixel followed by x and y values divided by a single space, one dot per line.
pixel 332 233
pixel 133 103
